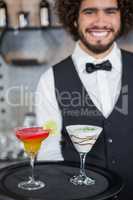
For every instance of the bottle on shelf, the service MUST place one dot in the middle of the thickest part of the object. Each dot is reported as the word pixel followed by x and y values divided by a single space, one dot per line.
pixel 23 19
pixel 29 119
pixel 3 14
pixel 44 13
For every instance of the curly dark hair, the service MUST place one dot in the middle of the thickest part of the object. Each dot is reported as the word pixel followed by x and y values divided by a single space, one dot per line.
pixel 68 11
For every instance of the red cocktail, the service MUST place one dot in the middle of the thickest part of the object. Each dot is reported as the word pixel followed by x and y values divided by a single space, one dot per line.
pixel 32 138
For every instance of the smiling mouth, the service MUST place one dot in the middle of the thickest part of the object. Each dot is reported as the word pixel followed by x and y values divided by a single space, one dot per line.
pixel 99 33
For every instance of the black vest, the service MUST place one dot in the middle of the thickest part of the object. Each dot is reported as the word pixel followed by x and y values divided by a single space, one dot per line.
pixel 114 147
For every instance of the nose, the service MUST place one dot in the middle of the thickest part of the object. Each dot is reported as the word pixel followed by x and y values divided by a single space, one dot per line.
pixel 100 19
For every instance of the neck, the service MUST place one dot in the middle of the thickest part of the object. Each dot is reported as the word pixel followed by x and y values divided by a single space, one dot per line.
pixel 96 56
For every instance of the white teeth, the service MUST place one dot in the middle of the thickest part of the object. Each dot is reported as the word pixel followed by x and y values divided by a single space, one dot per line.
pixel 99 34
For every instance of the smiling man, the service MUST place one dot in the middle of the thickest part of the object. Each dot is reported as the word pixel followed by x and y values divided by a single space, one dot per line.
pixel 93 86
pixel 98 26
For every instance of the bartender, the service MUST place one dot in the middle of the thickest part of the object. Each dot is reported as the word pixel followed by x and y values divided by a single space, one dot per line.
pixel 92 86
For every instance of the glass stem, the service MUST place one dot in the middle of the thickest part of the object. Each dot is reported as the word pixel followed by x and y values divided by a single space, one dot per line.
pixel 82 164
pixel 32 161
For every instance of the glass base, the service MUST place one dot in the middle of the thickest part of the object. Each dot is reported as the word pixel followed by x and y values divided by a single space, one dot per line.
pixel 82 180
pixel 31 185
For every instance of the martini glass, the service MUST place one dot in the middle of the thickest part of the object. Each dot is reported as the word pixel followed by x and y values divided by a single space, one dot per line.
pixel 31 138
pixel 83 138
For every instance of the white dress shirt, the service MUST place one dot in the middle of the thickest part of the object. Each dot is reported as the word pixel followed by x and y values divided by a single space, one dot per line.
pixel 103 87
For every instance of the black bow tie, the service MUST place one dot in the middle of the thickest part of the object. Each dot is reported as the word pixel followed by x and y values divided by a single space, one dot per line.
pixel 90 67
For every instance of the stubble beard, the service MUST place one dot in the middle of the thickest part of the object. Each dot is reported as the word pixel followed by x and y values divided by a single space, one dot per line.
pixel 98 48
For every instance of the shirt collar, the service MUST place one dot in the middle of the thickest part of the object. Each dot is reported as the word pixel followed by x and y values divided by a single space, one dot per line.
pixel 80 58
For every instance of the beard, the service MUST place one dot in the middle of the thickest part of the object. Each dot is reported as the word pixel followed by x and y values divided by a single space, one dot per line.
pixel 98 48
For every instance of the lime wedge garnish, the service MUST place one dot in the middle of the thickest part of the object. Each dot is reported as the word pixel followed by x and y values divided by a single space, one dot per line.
pixel 52 126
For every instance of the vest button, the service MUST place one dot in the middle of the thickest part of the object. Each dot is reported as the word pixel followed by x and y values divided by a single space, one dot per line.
pixel 115 197
pixel 110 140
pixel 113 162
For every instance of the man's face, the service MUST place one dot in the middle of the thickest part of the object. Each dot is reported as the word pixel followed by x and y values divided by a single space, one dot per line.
pixel 99 24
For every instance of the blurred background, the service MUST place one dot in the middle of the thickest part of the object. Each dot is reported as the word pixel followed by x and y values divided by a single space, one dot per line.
pixel 31 40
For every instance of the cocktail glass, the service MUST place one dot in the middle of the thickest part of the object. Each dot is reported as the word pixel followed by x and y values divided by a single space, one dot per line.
pixel 83 138
pixel 31 138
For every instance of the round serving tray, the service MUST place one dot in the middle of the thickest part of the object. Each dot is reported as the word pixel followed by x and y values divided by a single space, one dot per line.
pixel 56 176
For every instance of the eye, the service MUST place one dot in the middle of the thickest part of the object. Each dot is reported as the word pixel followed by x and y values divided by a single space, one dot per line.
pixel 112 11
pixel 89 11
